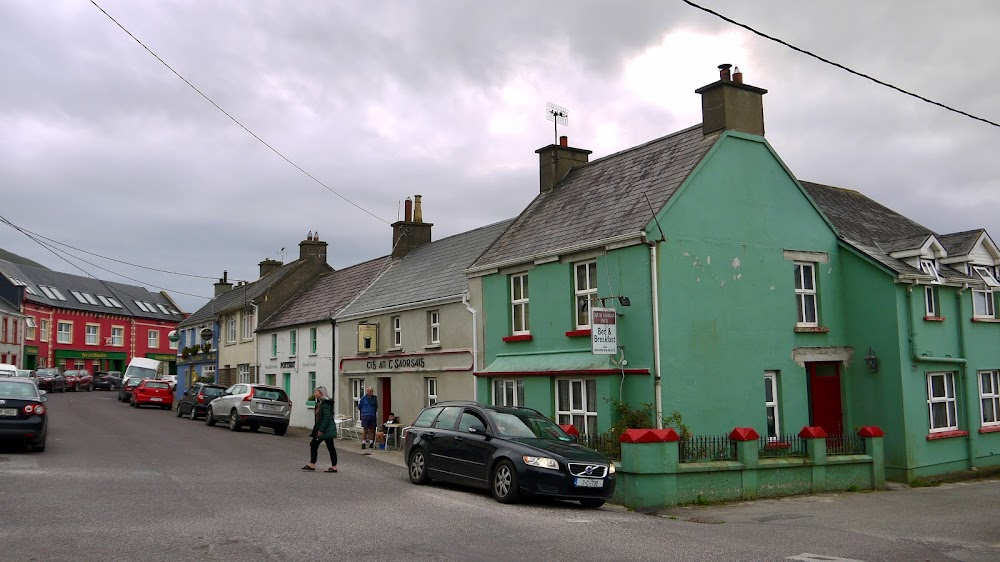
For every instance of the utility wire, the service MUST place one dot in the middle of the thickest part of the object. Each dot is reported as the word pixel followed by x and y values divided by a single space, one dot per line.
pixel 838 65
pixel 226 113
pixel 25 230
pixel 87 273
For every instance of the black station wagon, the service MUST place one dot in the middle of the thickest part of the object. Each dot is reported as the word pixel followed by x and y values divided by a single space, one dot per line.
pixel 510 451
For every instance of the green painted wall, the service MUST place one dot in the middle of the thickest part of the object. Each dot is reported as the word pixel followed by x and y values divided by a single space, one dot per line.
pixel 728 307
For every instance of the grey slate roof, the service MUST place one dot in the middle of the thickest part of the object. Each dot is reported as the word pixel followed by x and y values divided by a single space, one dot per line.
pixel 960 243
pixel 602 199
pixel 873 228
pixel 19 260
pixel 325 297
pixel 432 271
pixel 125 294
pixel 238 298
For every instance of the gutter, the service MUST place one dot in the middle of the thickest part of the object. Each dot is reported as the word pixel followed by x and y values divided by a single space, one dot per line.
pixel 657 384
pixel 611 243
pixel 969 411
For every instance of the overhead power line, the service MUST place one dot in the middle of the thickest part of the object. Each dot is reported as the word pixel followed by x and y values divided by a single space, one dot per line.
pixel 838 65
pixel 227 114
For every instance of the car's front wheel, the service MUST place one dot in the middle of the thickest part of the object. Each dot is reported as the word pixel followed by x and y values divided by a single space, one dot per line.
pixel 280 430
pixel 504 483
pixel 209 418
pixel 234 421
pixel 418 467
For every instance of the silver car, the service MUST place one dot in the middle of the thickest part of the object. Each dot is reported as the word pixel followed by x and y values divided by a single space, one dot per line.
pixel 251 405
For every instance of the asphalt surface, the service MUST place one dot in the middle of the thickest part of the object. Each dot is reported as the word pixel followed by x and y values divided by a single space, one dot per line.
pixel 117 483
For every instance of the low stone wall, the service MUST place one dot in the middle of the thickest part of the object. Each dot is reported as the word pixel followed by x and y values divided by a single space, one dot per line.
pixel 651 475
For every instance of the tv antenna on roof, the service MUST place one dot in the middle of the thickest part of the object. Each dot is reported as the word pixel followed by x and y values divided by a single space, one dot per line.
pixel 558 115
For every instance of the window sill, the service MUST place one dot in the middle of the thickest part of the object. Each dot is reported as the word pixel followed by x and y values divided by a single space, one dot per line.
pixel 585 333
pixel 521 337
pixel 933 318
pixel 433 346
pixel 811 329
pixel 989 429
pixel 946 435
pixel 986 320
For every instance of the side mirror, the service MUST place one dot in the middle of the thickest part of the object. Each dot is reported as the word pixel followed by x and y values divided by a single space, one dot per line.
pixel 41 393
pixel 43 398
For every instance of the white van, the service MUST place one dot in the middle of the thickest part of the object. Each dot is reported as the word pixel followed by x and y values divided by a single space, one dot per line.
pixel 141 368
pixel 7 370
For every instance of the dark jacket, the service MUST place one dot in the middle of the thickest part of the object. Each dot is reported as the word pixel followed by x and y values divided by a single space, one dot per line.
pixel 325 427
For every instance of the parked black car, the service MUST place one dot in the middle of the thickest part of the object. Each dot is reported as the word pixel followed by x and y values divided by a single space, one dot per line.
pixel 125 390
pixel 194 402
pixel 22 413
pixel 51 380
pixel 107 380
pixel 510 451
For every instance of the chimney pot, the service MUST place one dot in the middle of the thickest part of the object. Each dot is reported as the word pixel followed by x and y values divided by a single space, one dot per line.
pixel 737 75
pixel 564 141
pixel 724 72
pixel 408 210
pixel 418 213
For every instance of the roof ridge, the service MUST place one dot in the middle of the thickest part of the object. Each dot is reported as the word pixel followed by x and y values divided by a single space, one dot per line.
pixel 640 146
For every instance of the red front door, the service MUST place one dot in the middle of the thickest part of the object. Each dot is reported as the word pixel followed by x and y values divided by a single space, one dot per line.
pixel 384 398
pixel 824 397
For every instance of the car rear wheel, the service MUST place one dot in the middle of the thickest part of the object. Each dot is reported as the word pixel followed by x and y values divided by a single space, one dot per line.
pixel 504 483
pixel 592 504
pixel 234 421
pixel 209 418
pixel 179 414
pixel 418 467
pixel 254 427
pixel 38 447
pixel 90 388
pixel 192 415
pixel 280 430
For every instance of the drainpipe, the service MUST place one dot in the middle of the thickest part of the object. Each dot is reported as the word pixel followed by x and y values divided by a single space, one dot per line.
pixel 475 346
pixel 657 385
pixel 334 367
pixel 966 375
pixel 917 358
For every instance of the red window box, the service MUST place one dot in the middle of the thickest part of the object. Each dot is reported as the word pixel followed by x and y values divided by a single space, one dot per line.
pixel 946 435
pixel 520 337
pixel 933 318
pixel 578 333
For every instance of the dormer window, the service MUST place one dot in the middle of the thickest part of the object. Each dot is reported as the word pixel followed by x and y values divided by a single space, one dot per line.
pixel 986 274
pixel 929 267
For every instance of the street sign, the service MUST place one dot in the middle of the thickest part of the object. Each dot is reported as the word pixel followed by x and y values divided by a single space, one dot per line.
pixel 603 331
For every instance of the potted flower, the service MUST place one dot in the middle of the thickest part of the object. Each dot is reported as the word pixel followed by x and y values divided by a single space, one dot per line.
pixel 311 402
pixel 206 348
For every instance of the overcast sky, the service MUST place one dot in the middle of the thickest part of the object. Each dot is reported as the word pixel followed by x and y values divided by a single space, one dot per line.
pixel 103 148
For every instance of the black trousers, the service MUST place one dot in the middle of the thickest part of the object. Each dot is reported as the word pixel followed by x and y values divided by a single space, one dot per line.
pixel 314 450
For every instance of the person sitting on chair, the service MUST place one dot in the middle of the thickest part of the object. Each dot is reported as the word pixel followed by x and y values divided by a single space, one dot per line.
pixel 380 436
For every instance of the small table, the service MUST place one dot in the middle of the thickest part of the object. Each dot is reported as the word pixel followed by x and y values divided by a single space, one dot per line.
pixel 394 428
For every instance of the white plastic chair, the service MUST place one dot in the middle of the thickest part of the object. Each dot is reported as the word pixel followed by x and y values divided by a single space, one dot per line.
pixel 343 426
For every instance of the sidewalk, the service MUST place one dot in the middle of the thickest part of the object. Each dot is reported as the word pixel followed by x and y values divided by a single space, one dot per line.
pixel 349 445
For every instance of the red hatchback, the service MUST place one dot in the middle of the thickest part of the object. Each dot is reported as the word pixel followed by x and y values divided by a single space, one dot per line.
pixel 153 393
pixel 77 380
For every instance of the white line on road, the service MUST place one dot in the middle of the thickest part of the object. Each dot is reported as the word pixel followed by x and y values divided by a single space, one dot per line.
pixel 808 557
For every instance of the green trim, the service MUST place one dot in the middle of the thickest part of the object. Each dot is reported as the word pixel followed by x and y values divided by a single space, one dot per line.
pixel 161 356
pixel 31 350
pixel 82 354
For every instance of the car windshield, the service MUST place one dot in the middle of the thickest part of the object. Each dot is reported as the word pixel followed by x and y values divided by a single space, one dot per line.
pixel 21 390
pixel 140 372
pixel 6 373
pixel 133 381
pixel 150 384
pixel 527 424
pixel 270 394
pixel 23 373
pixel 212 391
pixel 46 373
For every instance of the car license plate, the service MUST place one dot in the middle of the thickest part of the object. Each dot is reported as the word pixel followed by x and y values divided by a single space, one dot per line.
pixel 8 411
pixel 156 400
pixel 269 407
pixel 588 482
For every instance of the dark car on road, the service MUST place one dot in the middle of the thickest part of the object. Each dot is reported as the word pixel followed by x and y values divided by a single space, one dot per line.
pixel 79 379
pixel 125 390
pixel 194 402
pixel 51 380
pixel 22 413
pixel 512 452
pixel 108 380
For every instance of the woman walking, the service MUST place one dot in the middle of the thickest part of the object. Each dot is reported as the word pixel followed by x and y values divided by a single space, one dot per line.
pixel 324 430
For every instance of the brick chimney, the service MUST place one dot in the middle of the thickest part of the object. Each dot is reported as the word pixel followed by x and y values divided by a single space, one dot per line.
pixel 731 104
pixel 556 160
pixel 312 248
pixel 412 231
pixel 268 265
pixel 223 284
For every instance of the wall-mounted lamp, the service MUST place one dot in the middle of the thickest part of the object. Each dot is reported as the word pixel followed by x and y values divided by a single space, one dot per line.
pixel 624 301
pixel 871 360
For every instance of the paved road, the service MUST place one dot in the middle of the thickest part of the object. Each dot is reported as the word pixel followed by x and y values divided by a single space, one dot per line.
pixel 120 484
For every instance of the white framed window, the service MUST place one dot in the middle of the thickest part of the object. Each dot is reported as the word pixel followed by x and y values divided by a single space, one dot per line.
pixel 293 342
pixel 313 341
pixel 154 339
pixel 312 381
pixel 43 326
pixel 989 397
pixel 93 333
pixel 52 293
pixel 986 274
pixel 434 326
pixel 771 405
pixel 941 403
pixel 931 306
pixel 30 329
pixel 508 392
pixel 576 404
pixel 142 306
pixel 930 267
pixel 244 371
pixel 357 391
pixel 64 332
pixel 247 323
pixel 983 305
pixel 519 304
pixel 432 391
pixel 397 331
pixel 208 371
pixel 78 296
pixel 231 328
pixel 805 294
pixel 162 308
pixel 117 336
pixel 585 291
pixel 274 345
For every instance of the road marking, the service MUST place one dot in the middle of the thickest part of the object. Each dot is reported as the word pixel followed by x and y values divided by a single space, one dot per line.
pixel 808 557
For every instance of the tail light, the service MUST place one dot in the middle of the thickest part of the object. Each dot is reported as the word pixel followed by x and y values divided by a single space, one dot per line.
pixel 201 398
pixel 34 409
pixel 249 397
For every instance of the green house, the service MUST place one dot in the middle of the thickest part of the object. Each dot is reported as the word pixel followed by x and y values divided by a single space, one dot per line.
pixel 738 298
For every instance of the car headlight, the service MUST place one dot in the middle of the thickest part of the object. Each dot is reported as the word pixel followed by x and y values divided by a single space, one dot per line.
pixel 611 468
pixel 541 462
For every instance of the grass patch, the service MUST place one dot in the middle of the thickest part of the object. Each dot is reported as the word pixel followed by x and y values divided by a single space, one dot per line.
pixel 921 483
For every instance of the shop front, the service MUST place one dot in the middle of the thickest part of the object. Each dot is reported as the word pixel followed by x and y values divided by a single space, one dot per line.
pixel 30 357
pixel 93 361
